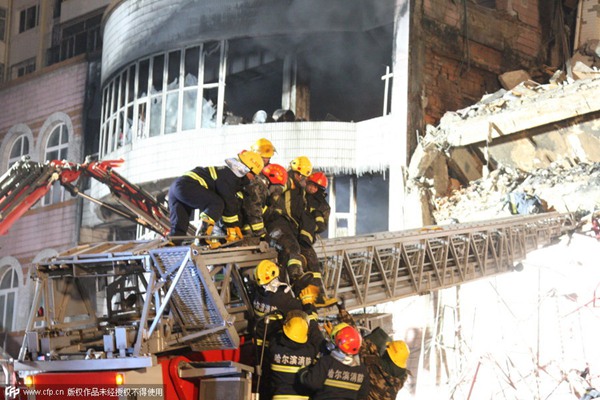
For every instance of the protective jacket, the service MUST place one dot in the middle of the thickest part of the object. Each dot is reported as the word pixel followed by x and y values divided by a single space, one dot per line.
pixel 262 203
pixel 267 302
pixel 295 208
pixel 213 190
pixel 256 195
pixel 330 378
pixel 286 359
pixel 385 378
pixel 319 209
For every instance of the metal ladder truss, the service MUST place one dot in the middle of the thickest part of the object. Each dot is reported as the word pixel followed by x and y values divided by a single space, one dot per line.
pixel 372 269
pixel 128 301
pixel 125 302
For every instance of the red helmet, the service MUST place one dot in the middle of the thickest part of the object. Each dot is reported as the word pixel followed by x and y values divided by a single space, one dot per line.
pixel 319 179
pixel 347 338
pixel 276 174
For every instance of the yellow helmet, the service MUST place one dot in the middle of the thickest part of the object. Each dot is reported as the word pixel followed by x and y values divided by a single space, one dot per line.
pixel 265 272
pixel 252 160
pixel 264 147
pixel 295 326
pixel 398 352
pixel 301 165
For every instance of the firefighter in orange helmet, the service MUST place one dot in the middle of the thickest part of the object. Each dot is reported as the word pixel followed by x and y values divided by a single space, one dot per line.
pixel 338 374
pixel 213 190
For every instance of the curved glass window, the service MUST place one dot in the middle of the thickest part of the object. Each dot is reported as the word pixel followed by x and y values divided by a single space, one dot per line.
pixel 19 149
pixel 160 95
pixel 56 149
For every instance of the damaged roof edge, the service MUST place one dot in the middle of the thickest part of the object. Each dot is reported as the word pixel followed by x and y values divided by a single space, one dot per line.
pixel 529 112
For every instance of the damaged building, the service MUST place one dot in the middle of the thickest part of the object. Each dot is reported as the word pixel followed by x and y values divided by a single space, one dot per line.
pixel 399 102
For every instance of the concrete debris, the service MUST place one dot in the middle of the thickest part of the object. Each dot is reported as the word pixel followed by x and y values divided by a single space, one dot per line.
pixel 512 78
pixel 561 188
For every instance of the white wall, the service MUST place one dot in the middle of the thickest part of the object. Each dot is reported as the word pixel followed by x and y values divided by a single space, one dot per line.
pixel 72 9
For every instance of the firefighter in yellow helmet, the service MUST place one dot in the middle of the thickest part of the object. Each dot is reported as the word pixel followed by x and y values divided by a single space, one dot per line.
pixel 289 351
pixel 265 148
pixel 274 299
pixel 212 190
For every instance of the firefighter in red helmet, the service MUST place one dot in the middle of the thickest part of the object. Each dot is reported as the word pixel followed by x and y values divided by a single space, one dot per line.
pixel 259 198
pixel 285 229
pixel 338 374
pixel 316 201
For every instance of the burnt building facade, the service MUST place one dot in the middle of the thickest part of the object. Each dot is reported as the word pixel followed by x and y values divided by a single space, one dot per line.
pixel 351 84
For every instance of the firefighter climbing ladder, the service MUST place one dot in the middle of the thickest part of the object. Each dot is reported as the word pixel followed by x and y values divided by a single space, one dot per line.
pixel 159 298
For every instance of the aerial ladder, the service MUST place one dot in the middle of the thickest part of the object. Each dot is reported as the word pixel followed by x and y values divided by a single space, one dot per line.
pixel 181 316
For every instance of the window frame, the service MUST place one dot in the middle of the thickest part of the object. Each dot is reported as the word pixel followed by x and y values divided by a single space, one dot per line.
pixel 56 194
pixel 5 300
pixel 20 138
pixel 27 21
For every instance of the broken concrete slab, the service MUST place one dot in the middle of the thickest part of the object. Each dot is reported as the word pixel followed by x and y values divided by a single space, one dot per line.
pixel 582 71
pixel 512 78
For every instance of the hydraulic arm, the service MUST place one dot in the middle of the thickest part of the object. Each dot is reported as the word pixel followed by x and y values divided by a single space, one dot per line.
pixel 26 182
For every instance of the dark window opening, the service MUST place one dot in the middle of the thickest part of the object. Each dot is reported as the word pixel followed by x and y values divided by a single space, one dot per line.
pixel 2 24
pixel 77 38
pixel 329 83
pixel 28 18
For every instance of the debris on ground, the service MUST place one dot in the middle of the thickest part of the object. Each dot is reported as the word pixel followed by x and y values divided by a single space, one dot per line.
pixel 575 189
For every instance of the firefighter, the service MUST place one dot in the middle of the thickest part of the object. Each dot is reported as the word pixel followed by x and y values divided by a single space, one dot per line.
pixel 338 374
pixel 316 199
pixel 272 301
pixel 259 196
pixel 213 190
pixel 385 360
pixel 265 148
pixel 291 350
pixel 284 230
pixel 317 219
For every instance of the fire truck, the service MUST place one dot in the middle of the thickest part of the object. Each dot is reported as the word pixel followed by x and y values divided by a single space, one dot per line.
pixel 149 320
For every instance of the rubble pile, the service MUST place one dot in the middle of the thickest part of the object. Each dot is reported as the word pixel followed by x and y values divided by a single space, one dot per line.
pixel 561 187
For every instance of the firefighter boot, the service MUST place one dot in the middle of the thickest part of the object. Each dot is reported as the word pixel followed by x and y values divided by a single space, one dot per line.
pixel 203 232
pixel 234 234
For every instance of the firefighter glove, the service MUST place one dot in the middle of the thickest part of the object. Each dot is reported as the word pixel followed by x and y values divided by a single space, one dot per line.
pixel 309 294
pixel 328 326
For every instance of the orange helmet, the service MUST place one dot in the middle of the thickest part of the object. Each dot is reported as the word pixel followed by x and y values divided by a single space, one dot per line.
pixel 319 179
pixel 276 174
pixel 346 338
